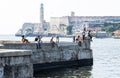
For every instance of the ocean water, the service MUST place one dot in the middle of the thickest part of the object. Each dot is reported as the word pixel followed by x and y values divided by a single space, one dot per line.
pixel 44 39
pixel 106 63
pixel 106 53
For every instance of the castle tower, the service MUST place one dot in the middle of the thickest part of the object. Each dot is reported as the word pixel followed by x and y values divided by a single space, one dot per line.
pixel 41 15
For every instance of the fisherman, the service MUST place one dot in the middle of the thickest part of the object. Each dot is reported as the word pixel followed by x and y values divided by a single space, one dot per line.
pixel 52 42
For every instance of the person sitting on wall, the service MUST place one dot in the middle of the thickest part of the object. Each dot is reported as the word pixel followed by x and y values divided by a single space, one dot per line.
pixel 52 42
pixel 24 40
pixel 79 40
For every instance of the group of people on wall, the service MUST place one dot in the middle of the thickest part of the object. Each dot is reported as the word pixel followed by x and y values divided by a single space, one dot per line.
pixel 79 39
pixel 89 35
pixel 38 39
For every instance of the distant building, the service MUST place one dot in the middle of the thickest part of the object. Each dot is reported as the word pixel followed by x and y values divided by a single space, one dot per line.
pixel 33 29
pixel 78 23
pixel 117 34
pixel 60 25
pixel 94 29
pixel 78 29
pixel 102 34
pixel 98 33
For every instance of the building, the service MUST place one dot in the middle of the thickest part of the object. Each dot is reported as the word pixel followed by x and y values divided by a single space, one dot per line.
pixel 65 25
pixel 78 23
pixel 58 25
pixel 34 29
pixel 117 34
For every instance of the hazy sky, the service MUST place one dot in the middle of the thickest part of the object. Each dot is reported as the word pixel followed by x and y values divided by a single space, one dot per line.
pixel 13 13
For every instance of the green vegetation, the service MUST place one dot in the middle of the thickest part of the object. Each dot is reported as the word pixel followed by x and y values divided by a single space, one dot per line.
pixel 111 27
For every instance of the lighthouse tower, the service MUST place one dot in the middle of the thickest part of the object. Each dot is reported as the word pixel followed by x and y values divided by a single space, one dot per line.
pixel 42 16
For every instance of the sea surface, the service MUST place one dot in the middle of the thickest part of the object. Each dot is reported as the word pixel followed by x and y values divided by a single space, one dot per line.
pixel 106 55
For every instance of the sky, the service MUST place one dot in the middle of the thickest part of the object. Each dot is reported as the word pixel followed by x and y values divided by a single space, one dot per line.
pixel 14 13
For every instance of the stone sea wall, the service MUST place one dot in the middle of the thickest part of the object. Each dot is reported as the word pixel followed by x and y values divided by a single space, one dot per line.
pixel 19 60
pixel 15 64
pixel 47 53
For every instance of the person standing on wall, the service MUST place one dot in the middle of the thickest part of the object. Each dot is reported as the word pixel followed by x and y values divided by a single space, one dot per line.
pixel 90 35
pixel 83 35
pixel 57 38
pixel 73 38
pixel 38 42
pixel 52 42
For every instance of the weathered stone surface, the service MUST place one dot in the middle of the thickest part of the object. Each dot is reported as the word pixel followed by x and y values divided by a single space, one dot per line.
pixel 61 51
pixel 15 64
pixel 87 54
pixel 1 71
pixel 11 52
pixel 19 63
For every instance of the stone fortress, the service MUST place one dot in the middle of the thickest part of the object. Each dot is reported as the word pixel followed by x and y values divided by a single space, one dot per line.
pixel 59 25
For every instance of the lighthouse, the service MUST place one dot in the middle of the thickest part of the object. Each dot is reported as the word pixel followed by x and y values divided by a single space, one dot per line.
pixel 42 15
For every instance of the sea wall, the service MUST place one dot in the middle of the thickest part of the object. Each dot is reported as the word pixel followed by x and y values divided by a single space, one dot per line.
pixel 47 53
pixel 15 64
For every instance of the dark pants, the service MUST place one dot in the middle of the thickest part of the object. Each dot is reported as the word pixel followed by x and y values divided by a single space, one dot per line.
pixel 79 43
pixel 83 37
pixel 38 45
pixel 53 44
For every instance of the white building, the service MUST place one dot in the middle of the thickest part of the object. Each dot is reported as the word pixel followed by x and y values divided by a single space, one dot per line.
pixel 58 25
